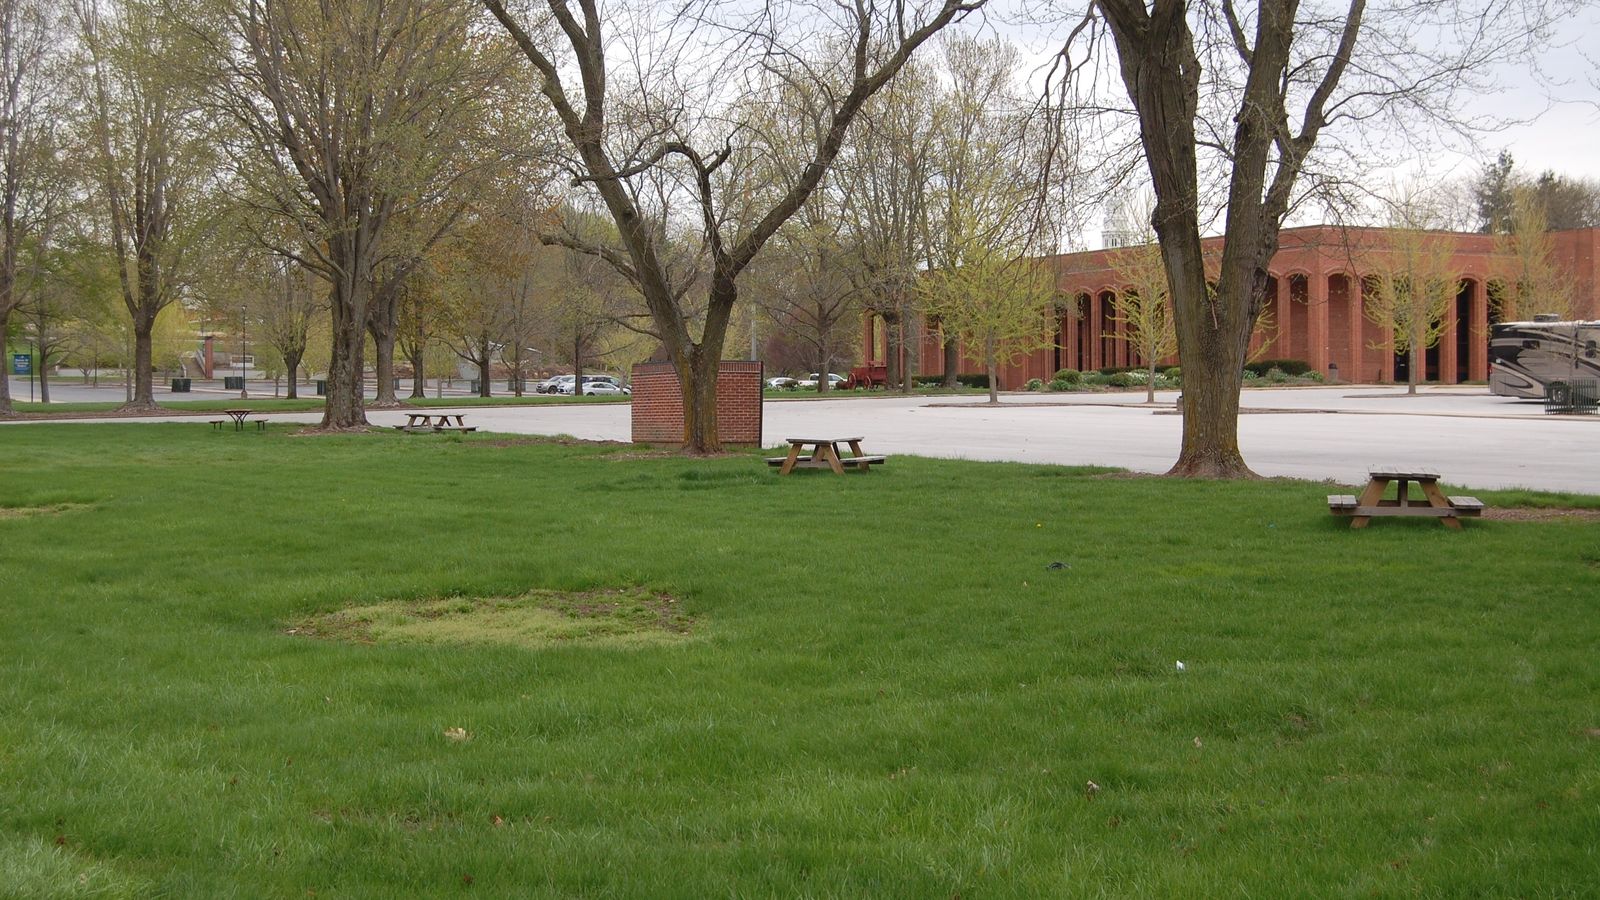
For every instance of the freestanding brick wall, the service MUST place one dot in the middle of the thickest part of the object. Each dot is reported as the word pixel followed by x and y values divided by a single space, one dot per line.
pixel 658 403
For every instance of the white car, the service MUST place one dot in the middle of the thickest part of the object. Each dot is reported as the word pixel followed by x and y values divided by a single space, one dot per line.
pixel 604 388
pixel 810 381
pixel 782 383
pixel 589 381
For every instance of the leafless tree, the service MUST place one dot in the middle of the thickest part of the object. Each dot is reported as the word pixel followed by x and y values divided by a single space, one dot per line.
pixel 1260 105
pixel 849 51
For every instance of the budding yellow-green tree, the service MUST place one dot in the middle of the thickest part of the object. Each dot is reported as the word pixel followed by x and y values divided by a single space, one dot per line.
pixel 1532 280
pixel 986 218
pixel 1409 289
pixel 999 307
pixel 1143 307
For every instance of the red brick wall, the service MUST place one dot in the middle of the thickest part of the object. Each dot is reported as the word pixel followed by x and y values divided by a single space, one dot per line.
pixel 1317 312
pixel 658 403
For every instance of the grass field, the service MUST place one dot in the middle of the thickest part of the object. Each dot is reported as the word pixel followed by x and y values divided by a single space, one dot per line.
pixel 225 672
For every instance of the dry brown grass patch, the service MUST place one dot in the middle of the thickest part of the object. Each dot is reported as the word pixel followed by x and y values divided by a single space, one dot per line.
pixel 622 617
pixel 49 509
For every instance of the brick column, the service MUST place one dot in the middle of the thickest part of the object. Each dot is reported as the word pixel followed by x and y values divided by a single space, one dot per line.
pixel 1358 319
pixel 1095 341
pixel 1447 344
pixel 1317 321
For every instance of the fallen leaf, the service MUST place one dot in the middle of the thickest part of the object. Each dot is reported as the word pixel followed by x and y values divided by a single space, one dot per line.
pixel 457 734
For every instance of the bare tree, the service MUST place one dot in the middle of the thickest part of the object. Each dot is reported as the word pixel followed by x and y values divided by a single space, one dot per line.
pixel 28 106
pixel 1232 101
pixel 615 142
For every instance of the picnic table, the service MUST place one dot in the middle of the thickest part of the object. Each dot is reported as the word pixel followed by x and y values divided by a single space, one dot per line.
pixel 1372 502
pixel 238 416
pixel 424 421
pixel 824 455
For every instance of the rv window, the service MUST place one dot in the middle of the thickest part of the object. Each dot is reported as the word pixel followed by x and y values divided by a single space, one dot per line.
pixel 1590 349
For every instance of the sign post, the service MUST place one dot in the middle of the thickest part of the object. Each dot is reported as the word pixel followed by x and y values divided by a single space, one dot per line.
pixel 22 364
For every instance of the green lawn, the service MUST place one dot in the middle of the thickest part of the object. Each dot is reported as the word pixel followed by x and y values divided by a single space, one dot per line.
pixel 882 690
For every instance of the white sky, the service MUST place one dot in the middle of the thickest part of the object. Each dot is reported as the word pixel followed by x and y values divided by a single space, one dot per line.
pixel 1555 110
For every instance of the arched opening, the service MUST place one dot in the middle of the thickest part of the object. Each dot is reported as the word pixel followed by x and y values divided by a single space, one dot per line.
pixel 1340 310
pixel 1463 331
pixel 1080 312
pixel 1108 328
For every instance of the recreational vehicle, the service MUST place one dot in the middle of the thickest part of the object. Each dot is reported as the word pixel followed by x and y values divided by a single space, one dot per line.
pixel 1544 359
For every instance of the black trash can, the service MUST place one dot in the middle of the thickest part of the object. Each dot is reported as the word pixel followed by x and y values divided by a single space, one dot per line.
pixel 474 388
pixel 322 388
pixel 233 382
pixel 180 385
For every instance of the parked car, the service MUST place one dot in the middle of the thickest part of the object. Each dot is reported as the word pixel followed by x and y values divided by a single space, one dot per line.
pixel 604 388
pixel 565 387
pixel 551 384
pixel 783 383
pixel 810 381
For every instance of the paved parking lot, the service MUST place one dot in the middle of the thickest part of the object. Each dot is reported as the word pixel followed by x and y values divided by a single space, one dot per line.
pixel 1335 433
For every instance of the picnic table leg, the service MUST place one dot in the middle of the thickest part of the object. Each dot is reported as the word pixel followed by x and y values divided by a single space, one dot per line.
pixel 855 448
pixel 831 451
pixel 788 464
pixel 1438 500
pixel 1369 497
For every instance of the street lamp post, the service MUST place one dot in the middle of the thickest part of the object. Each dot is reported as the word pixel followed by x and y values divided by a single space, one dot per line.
pixel 538 353
pixel 244 393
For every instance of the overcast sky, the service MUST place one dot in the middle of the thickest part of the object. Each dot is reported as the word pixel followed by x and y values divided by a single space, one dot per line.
pixel 1566 135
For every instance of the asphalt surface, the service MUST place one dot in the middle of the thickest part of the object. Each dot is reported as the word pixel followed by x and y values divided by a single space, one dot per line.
pixel 1333 433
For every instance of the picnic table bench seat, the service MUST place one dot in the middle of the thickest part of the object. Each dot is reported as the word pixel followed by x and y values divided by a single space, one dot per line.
pixel 845 460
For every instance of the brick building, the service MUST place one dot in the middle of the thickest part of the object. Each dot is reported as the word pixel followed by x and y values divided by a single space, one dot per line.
pixel 1314 309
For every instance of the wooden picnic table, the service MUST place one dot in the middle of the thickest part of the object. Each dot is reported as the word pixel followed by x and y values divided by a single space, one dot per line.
pixel 824 455
pixel 429 421
pixel 1372 502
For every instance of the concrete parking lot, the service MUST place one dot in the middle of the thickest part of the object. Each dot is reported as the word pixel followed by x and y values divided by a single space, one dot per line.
pixel 1472 438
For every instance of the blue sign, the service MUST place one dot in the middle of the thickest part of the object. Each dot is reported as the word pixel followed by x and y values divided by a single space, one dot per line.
pixel 21 364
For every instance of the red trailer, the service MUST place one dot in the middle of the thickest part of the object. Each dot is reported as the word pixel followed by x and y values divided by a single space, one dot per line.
pixel 870 375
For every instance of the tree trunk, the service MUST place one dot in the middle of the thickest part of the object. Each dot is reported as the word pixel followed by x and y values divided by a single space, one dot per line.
pixel 419 378
pixel 577 367
pixel 484 387
pixel 44 377
pixel 952 363
pixel 346 403
pixel 1150 384
pixel 381 325
pixel 1412 368
pixel 699 383
pixel 7 410
pixel 913 347
pixel 991 364
pixel 293 365
pixel 144 396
